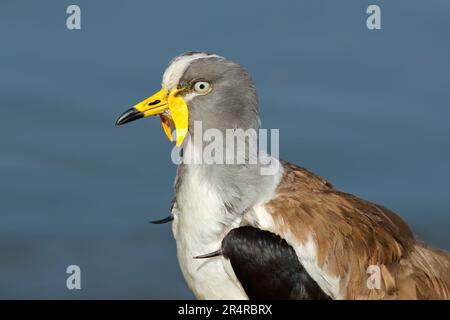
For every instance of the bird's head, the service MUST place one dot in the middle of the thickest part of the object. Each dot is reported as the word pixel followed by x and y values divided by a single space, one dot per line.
pixel 198 86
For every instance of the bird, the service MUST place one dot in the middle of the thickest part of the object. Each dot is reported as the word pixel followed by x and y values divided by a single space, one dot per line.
pixel 291 234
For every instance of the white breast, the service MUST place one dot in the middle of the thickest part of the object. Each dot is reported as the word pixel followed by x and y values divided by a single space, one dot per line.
pixel 199 227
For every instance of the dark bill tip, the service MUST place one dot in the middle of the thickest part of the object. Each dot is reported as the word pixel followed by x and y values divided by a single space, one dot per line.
pixel 161 221
pixel 128 116
pixel 210 255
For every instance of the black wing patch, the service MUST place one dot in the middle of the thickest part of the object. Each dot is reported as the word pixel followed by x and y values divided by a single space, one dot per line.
pixel 267 266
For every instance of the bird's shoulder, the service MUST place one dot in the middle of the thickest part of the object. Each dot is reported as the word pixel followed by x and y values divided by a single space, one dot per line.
pixel 341 233
pixel 297 179
pixel 303 196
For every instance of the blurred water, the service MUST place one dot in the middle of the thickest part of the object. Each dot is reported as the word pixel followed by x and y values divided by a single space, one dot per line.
pixel 367 110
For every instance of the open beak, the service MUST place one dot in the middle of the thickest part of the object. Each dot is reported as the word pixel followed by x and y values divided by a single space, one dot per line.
pixel 171 108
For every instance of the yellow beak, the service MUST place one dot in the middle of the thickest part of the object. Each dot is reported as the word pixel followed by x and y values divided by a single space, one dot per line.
pixel 156 105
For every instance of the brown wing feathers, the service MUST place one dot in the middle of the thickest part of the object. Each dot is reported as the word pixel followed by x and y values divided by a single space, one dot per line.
pixel 352 234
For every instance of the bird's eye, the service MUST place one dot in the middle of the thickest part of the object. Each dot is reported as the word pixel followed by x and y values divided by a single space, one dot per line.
pixel 202 87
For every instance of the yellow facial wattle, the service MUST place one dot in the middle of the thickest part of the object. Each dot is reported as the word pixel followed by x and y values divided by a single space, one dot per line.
pixel 179 114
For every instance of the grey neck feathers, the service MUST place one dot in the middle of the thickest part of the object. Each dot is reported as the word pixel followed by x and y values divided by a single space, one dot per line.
pixel 240 186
